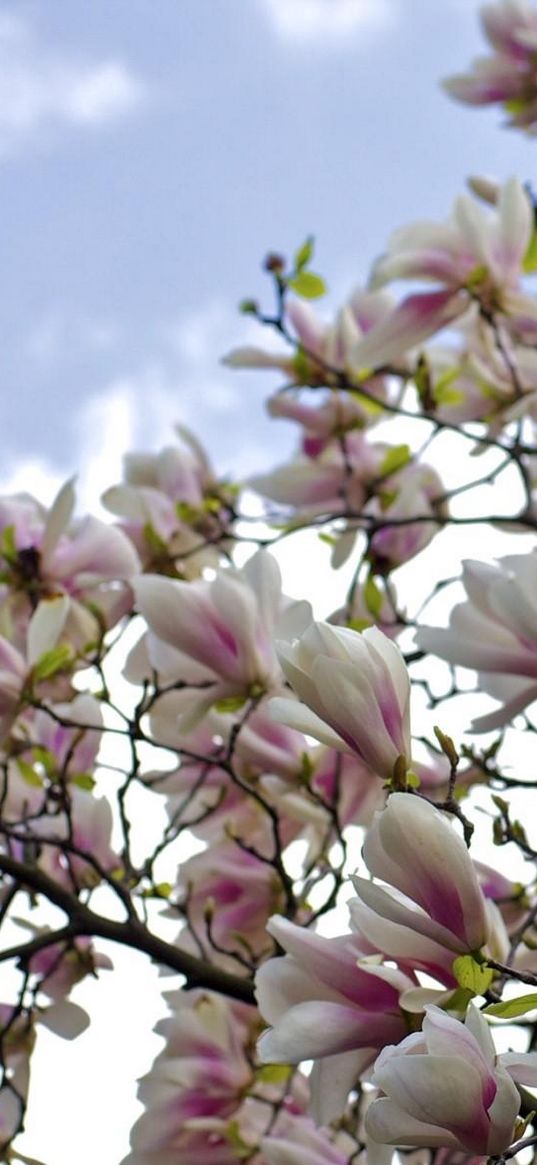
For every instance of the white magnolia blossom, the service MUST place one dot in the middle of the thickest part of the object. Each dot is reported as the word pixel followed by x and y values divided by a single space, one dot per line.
pixel 355 691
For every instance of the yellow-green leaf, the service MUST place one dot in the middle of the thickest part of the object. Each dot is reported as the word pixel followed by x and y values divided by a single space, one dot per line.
pixel 29 774
pixel 396 458
pixel 84 781
pixel 304 253
pixel 510 1008
pixel 230 704
pixel 373 597
pixel 53 661
pixel 530 258
pixel 308 285
pixel 274 1073
pixel 8 547
pixel 469 973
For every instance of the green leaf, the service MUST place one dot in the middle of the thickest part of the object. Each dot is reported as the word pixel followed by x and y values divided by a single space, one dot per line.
pixel 154 541
pixel 458 1000
pixel 477 276
pixel 304 253
pixel 329 539
pixel 396 458
pixel 510 1008
pixel 52 662
pixel 448 396
pixel 45 757
pixel 273 1073
pixel 367 404
pixel 412 780
pixel 240 1147
pixel 308 285
pixel 230 704
pixel 515 104
pixel 387 497
pixel 529 263
pixel 8 547
pixel 248 307
pixel 306 768
pixel 301 365
pixel 160 890
pixel 29 774
pixel 84 781
pixel 373 597
pixel 469 973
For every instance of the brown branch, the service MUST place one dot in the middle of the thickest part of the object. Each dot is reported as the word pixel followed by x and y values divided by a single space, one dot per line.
pixel 130 933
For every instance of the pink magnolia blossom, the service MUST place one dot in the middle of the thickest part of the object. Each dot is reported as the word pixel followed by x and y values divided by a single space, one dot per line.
pixel 495 632
pixel 509 76
pixel 304 1144
pixel 172 507
pixel 356 693
pixel 88 831
pixel 325 348
pixel 324 1004
pixel 436 909
pixel 223 630
pixel 46 553
pixel 445 1086
pixel 198 1107
pixel 72 749
pixel 228 895
pixel 417 491
pixel 325 477
pixel 60 968
pixel 477 253
pixel 474 245
pixel 17 1037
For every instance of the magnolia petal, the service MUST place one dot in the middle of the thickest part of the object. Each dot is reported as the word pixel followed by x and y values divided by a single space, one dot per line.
pixel 58 518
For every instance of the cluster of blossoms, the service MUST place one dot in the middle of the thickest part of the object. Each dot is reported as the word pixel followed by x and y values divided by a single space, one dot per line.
pixel 155 661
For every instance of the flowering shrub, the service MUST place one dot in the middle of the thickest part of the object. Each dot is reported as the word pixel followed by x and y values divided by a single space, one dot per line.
pixel 157 659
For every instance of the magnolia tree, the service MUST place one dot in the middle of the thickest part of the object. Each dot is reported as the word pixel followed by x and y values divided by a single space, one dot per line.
pixel 326 901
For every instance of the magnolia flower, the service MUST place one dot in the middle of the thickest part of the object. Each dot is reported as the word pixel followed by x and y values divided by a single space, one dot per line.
pixel 88 829
pixel 228 895
pixel 198 1108
pixel 509 76
pixel 326 1005
pixel 356 693
pixel 494 631
pixel 417 491
pixel 201 1072
pixel 474 245
pixel 325 348
pixel 45 553
pixel 304 1144
pixel 477 253
pixel 60 968
pixel 414 848
pixel 223 630
pixel 445 1086
pixel 171 506
pixel 329 480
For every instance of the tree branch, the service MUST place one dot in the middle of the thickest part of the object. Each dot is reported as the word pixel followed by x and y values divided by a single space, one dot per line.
pixel 130 933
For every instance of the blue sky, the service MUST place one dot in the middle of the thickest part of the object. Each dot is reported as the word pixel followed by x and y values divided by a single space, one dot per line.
pixel 150 154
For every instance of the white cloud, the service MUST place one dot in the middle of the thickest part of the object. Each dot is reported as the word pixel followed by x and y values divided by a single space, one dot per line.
pixel 328 22
pixel 60 330
pixel 42 89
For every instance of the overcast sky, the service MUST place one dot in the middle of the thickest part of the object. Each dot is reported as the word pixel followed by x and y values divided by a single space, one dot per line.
pixel 151 151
